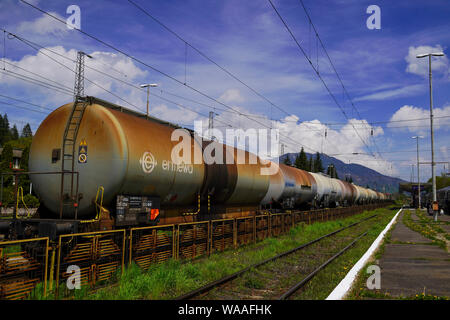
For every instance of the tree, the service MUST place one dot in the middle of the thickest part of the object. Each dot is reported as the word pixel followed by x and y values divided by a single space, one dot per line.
pixel 310 164
pixel 6 159
pixel 5 134
pixel 26 131
pixel 331 171
pixel 287 161
pixel 441 182
pixel 25 179
pixel 14 133
pixel 318 167
pixel 301 161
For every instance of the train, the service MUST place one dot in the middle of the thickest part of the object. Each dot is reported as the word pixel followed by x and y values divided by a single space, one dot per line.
pixel 95 161
pixel 443 198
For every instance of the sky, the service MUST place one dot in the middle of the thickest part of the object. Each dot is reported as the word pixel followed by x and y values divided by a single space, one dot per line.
pixel 385 82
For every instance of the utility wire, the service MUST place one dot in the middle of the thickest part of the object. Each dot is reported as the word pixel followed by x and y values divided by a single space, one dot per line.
pixel 332 65
pixel 207 58
pixel 151 67
pixel 316 71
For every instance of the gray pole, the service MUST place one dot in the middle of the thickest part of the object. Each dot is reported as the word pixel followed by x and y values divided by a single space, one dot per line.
pixel 432 140
pixel 418 172
pixel 148 93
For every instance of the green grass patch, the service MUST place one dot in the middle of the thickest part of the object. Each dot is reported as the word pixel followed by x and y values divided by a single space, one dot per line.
pixel 173 278
pixel 426 227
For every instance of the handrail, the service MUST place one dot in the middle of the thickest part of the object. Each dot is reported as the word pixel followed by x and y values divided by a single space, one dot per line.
pixel 98 207
pixel 193 213
pixel 20 195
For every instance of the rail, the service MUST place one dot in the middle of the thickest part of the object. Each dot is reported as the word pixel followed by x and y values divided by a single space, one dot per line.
pixel 100 255
pixel 228 278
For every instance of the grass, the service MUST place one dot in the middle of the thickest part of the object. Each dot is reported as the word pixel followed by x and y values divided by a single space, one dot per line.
pixel 326 280
pixel 426 227
pixel 173 278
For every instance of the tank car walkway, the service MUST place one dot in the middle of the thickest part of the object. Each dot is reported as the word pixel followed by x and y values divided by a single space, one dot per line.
pixel 410 265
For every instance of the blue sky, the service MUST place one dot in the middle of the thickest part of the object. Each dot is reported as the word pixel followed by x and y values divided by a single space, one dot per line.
pixel 378 68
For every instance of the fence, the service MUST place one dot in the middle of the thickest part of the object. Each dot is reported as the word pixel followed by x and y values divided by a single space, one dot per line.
pixel 28 267
pixel 23 265
pixel 150 245
pixel 98 256
pixel 192 239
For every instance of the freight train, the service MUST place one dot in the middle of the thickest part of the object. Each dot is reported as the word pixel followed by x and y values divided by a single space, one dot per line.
pixel 94 161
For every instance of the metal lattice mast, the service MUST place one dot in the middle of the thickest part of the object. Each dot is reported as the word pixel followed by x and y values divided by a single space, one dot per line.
pixel 78 90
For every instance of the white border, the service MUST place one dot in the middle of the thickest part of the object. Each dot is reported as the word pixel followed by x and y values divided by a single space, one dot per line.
pixel 344 286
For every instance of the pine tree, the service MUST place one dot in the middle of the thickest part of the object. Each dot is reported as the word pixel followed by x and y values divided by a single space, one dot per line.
pixel 331 171
pixel 310 164
pixel 297 161
pixel 318 167
pixel 5 134
pixel 303 160
pixel 14 133
pixel 287 161
pixel 26 131
pixel 6 158
pixel 25 179
pixel 350 179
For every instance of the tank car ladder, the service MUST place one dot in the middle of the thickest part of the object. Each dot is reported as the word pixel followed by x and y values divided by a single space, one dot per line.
pixel 67 196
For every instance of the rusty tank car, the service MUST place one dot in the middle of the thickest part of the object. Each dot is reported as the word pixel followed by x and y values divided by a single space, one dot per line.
pixel 110 164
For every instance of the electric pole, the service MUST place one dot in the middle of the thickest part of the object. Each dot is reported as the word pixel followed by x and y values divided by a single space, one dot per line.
pixel 418 172
pixel 78 90
pixel 433 174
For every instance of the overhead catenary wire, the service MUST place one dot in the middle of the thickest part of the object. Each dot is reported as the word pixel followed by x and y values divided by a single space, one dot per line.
pixel 104 43
pixel 332 65
pixel 23 101
pixel 154 68
pixel 21 107
pixel 187 43
pixel 316 71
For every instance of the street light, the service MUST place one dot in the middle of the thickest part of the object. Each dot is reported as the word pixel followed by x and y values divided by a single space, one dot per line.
pixel 148 85
pixel 433 174
pixel 418 172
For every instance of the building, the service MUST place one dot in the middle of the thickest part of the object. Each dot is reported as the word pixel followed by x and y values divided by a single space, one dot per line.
pixel 17 155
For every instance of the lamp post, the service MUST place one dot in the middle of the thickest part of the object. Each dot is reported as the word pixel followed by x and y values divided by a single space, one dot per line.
pixel 148 85
pixel 433 174
pixel 418 171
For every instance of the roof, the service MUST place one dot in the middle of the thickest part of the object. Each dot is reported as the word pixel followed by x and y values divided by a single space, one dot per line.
pixel 17 153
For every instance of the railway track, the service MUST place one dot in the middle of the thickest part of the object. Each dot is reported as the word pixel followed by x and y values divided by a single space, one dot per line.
pixel 205 290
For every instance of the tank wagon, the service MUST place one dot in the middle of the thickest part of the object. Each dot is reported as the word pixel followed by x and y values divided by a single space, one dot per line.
pixel 116 166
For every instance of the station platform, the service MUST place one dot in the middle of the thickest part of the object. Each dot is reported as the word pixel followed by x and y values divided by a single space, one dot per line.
pixel 411 264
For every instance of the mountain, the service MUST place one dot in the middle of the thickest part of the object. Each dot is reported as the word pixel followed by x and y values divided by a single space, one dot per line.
pixel 361 175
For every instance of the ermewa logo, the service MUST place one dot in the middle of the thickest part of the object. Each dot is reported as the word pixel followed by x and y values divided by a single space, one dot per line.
pixel 148 162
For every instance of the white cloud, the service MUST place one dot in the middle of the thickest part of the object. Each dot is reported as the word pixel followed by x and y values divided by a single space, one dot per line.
pixel 420 66
pixel 394 93
pixel 173 115
pixel 444 152
pixel 231 96
pixel 311 135
pixel 40 64
pixel 44 25
pixel 419 126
